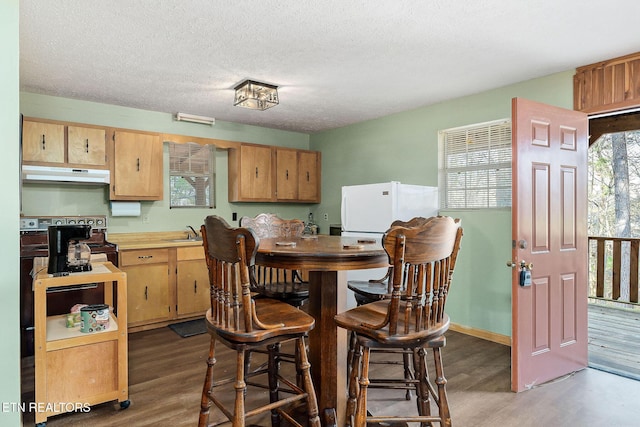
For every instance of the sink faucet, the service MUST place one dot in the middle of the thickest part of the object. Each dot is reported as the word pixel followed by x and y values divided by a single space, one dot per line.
pixel 195 233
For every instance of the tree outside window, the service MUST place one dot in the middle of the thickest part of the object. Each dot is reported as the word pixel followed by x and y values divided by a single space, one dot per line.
pixel 191 175
pixel 614 195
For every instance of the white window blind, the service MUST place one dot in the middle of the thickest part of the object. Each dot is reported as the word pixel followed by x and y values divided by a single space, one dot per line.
pixel 192 175
pixel 475 166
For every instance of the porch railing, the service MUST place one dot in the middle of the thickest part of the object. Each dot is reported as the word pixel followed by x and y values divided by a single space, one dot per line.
pixel 613 269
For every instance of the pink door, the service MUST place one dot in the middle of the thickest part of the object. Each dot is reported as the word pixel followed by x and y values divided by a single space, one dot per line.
pixel 549 324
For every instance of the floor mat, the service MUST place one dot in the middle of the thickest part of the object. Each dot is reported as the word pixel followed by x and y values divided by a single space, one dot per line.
pixel 189 328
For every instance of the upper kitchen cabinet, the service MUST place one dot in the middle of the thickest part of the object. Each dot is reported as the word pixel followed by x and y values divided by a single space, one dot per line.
pixel 297 173
pixel 309 168
pixel 137 166
pixel 286 174
pixel 251 174
pixel 42 142
pixel 86 146
pixel 46 142
pixel 261 173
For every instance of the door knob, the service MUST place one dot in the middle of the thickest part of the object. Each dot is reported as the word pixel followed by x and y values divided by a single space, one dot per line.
pixel 522 264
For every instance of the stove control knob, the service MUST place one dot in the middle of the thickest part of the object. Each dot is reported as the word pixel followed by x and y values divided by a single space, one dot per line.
pixel 59 222
pixel 90 221
pixel 71 221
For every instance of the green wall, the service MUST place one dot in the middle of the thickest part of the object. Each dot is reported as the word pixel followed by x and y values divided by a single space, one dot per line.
pixel 47 199
pixel 9 254
pixel 403 147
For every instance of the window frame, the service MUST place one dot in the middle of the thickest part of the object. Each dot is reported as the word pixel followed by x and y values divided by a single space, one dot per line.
pixel 211 174
pixel 495 187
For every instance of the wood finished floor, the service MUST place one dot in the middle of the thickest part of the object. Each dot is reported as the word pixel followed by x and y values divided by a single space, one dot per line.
pixel 166 374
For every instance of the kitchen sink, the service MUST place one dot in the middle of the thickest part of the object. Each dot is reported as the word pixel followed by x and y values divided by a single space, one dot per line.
pixel 198 239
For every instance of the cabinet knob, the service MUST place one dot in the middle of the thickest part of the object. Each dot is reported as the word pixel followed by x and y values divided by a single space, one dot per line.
pixel 86 146
pixel 44 143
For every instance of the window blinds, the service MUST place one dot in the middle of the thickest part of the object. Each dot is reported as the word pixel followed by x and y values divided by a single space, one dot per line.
pixel 476 166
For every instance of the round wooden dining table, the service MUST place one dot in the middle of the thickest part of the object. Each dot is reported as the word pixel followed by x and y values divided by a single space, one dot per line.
pixel 327 259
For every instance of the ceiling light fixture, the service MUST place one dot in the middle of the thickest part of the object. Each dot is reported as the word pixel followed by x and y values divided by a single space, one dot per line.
pixel 256 95
pixel 183 117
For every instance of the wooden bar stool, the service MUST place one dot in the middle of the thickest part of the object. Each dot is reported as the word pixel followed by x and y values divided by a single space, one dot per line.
pixel 277 283
pixel 372 290
pixel 413 318
pixel 243 324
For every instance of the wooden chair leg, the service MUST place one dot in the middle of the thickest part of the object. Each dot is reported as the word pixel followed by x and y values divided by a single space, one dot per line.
pixel 441 382
pixel 330 417
pixel 354 375
pixel 361 408
pixel 247 362
pixel 299 376
pixel 274 369
pixel 305 368
pixel 241 387
pixel 423 397
pixel 205 403
pixel 353 341
pixel 408 375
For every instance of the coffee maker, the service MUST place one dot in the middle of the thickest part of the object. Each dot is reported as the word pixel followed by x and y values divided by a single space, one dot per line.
pixel 66 253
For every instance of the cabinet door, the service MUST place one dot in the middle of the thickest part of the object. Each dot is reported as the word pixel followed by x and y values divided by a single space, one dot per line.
pixel 86 146
pixel 286 174
pixel 308 181
pixel 137 167
pixel 147 293
pixel 255 172
pixel 42 142
pixel 193 287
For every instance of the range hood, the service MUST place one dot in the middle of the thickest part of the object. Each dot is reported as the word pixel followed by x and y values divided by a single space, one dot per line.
pixel 66 175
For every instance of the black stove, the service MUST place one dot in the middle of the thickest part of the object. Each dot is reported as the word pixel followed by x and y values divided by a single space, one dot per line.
pixel 34 243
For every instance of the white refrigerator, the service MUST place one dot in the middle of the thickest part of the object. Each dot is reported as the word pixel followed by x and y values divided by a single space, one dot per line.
pixel 368 210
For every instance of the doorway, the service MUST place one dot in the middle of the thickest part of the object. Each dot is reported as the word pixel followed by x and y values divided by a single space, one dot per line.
pixel 614 242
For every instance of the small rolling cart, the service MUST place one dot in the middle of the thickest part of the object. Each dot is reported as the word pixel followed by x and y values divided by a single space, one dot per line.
pixel 75 369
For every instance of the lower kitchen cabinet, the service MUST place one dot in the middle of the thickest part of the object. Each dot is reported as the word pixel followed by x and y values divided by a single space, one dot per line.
pixel 165 285
pixel 148 277
pixel 192 288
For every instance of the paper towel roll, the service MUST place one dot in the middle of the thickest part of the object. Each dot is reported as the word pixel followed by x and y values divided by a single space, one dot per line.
pixel 125 208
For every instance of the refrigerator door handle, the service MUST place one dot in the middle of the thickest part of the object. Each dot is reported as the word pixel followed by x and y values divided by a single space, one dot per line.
pixel 343 212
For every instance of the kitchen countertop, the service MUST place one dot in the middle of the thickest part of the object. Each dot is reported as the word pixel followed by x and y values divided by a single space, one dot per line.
pixel 163 239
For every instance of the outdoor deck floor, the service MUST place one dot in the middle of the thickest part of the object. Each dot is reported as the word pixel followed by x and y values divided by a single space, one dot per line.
pixel 614 340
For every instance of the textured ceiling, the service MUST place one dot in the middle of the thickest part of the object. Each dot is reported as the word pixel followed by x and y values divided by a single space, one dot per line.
pixel 336 62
